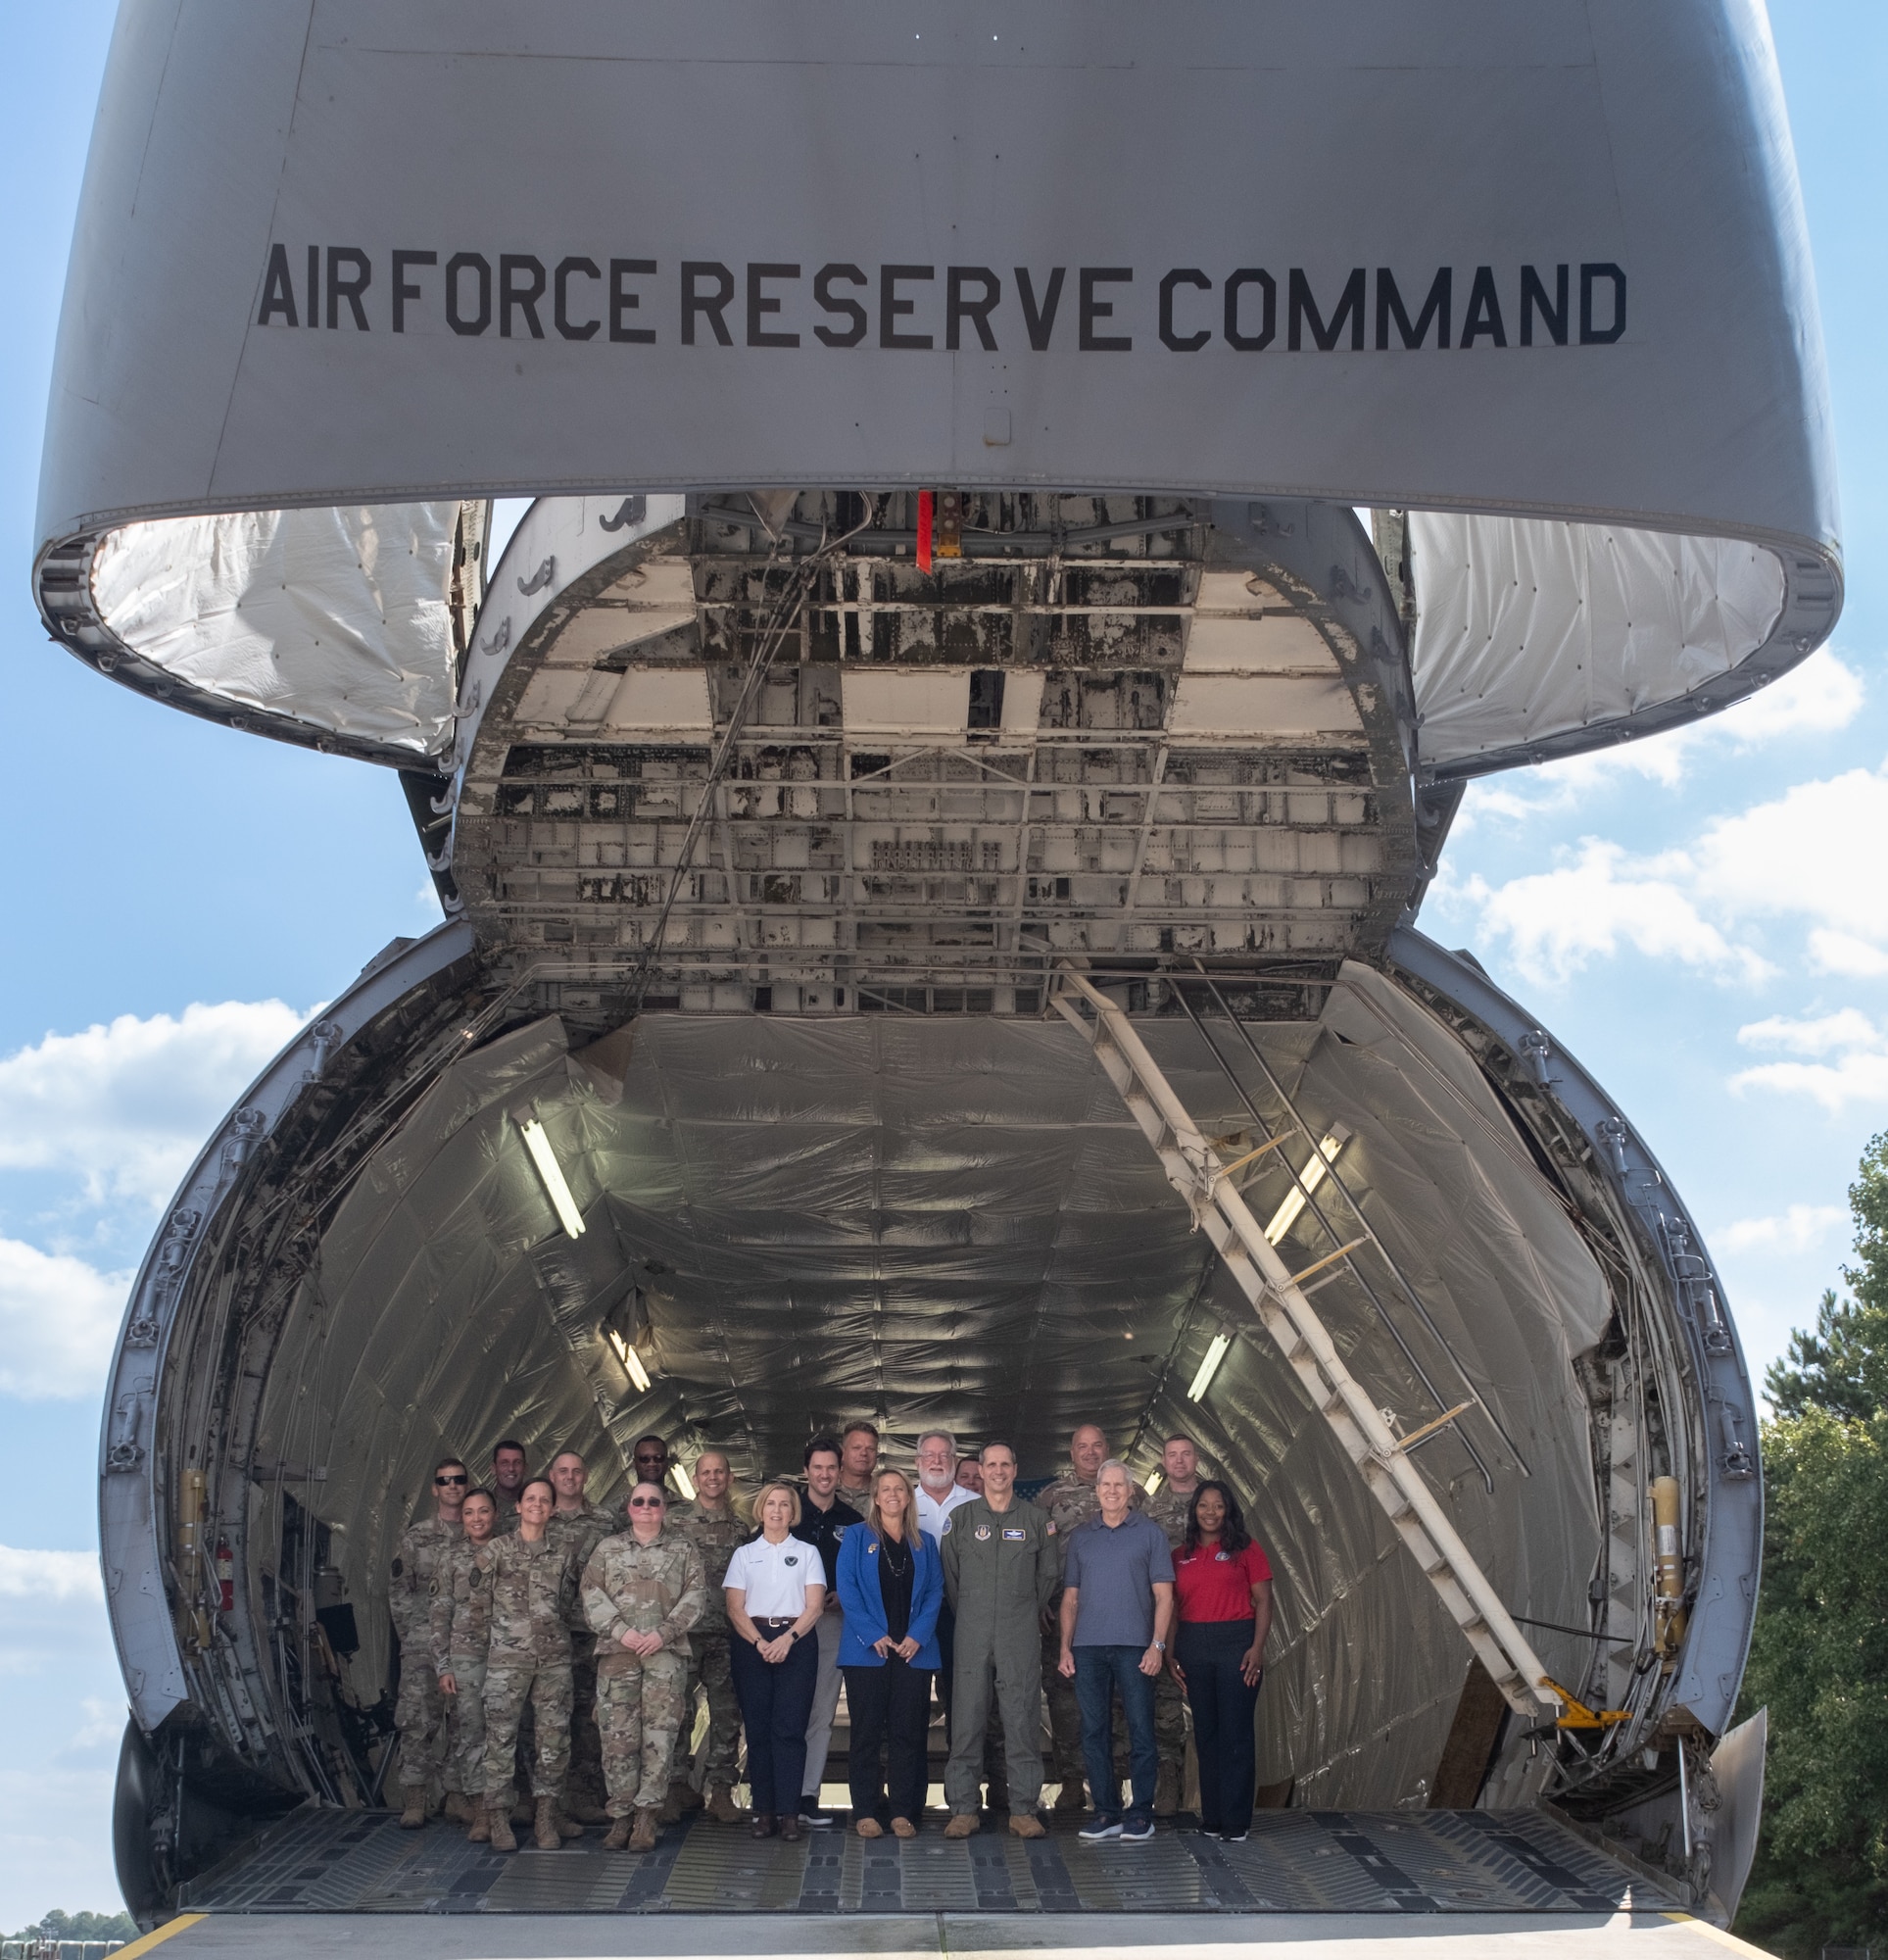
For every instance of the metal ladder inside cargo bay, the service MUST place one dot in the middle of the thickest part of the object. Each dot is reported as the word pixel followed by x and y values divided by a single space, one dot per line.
pixel 1277 1298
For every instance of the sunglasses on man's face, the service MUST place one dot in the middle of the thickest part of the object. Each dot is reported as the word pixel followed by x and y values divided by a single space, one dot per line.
pixel 646 1503
pixel 452 1479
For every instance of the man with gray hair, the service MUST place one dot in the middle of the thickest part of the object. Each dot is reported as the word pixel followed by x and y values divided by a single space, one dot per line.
pixel 1116 1607
pixel 938 1494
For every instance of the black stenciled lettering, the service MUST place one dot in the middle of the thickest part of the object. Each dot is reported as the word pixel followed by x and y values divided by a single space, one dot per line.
pixel 1039 321
pixel 339 288
pixel 1390 306
pixel 761 303
pixel 1235 335
pixel 1533 298
pixel 1590 277
pixel 520 286
pixel 1094 310
pixel 1182 275
pixel 313 313
pixel 892 309
pixel 456 266
pixel 402 290
pixel 845 309
pixel 623 301
pixel 1485 310
pixel 568 329
pixel 958 308
pixel 279 290
pixel 712 308
pixel 1303 313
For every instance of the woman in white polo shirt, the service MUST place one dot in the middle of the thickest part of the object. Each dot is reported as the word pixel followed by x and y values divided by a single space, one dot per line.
pixel 776 1587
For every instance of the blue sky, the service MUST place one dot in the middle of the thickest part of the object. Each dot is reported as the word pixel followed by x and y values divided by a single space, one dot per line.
pixel 1703 920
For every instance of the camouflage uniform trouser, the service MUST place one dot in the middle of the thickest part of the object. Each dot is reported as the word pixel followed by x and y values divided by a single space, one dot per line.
pixel 639 1708
pixel 466 1761
pixel 421 1717
pixel 509 1683
pixel 1065 1762
pixel 586 1743
pixel 708 1673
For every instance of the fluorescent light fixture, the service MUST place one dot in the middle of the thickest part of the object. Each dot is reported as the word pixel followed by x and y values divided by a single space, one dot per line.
pixel 1209 1366
pixel 631 1360
pixel 558 1192
pixel 1152 1484
pixel 683 1483
pixel 1309 1179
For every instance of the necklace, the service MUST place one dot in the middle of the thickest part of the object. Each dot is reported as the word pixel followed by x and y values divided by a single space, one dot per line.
pixel 899 1561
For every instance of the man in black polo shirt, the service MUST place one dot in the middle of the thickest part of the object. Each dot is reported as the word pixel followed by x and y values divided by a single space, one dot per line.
pixel 823 1521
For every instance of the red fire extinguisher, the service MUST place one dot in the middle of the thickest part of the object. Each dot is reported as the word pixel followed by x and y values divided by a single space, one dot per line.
pixel 225 1577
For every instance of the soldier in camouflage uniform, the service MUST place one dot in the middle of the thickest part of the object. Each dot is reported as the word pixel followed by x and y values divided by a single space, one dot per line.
pixel 460 1633
pixel 642 1590
pixel 579 1527
pixel 507 1480
pixel 1168 1507
pixel 420 1715
pixel 1069 1501
pixel 533 1590
pixel 858 1465
pixel 714 1528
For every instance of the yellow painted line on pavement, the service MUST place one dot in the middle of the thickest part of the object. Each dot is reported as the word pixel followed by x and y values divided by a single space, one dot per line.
pixel 152 1940
pixel 1718 1933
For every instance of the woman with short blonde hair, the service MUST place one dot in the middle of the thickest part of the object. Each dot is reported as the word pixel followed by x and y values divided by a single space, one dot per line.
pixel 775 1588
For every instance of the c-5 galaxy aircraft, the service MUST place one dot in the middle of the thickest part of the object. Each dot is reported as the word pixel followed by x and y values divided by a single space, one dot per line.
pixel 1038 514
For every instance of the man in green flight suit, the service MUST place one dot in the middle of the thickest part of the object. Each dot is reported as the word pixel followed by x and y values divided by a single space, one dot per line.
pixel 1002 1562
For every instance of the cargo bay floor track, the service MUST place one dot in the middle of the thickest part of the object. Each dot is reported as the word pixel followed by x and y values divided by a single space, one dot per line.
pixel 1399 1863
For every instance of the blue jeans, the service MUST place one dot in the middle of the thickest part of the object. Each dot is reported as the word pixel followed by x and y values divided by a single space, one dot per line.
pixel 1098 1672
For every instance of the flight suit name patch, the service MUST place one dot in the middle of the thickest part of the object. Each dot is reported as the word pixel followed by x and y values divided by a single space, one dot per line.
pixel 1014 1535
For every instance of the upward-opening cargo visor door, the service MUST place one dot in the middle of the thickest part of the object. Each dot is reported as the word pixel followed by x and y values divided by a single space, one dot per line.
pixel 1536 274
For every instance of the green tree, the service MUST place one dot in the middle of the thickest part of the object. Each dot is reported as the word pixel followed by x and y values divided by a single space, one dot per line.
pixel 1820 1651
pixel 81 1925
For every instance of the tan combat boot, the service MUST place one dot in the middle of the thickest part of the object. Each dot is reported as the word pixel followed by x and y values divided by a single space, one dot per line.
pixel 669 1810
pixel 457 1808
pixel 1025 1824
pixel 683 1798
pixel 1072 1796
pixel 963 1823
pixel 618 1837
pixel 643 1838
pixel 568 1827
pixel 545 1833
pixel 481 1830
pixel 498 1816
pixel 1167 1790
pixel 414 1797
pixel 720 1806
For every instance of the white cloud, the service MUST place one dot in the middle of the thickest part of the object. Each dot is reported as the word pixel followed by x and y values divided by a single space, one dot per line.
pixel 1558 921
pixel 1800 1229
pixel 58 1320
pixel 125 1108
pixel 102 1724
pixel 1857 1074
pixel 1822 696
pixel 1856 1078
pixel 1840 952
pixel 1845 1029
pixel 49 1575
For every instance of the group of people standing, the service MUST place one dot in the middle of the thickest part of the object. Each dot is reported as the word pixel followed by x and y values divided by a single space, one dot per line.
pixel 550 1644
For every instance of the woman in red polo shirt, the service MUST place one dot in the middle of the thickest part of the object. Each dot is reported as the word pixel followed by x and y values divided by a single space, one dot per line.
pixel 1222 1607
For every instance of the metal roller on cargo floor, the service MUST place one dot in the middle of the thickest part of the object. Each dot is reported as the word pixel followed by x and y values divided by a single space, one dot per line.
pixel 1037 515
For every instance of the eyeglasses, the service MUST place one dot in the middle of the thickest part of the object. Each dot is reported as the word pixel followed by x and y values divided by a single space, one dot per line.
pixel 647 1505
pixel 452 1479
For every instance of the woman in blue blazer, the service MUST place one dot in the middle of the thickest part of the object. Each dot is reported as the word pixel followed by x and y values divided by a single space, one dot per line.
pixel 891 1584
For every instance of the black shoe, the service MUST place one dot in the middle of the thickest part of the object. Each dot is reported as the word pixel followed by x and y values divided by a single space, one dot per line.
pixel 816 1819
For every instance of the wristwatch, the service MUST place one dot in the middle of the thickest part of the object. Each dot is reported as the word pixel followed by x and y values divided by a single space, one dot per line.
pixel 1160 1646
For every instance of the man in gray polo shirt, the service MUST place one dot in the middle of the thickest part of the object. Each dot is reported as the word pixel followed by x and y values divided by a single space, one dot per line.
pixel 1115 1615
